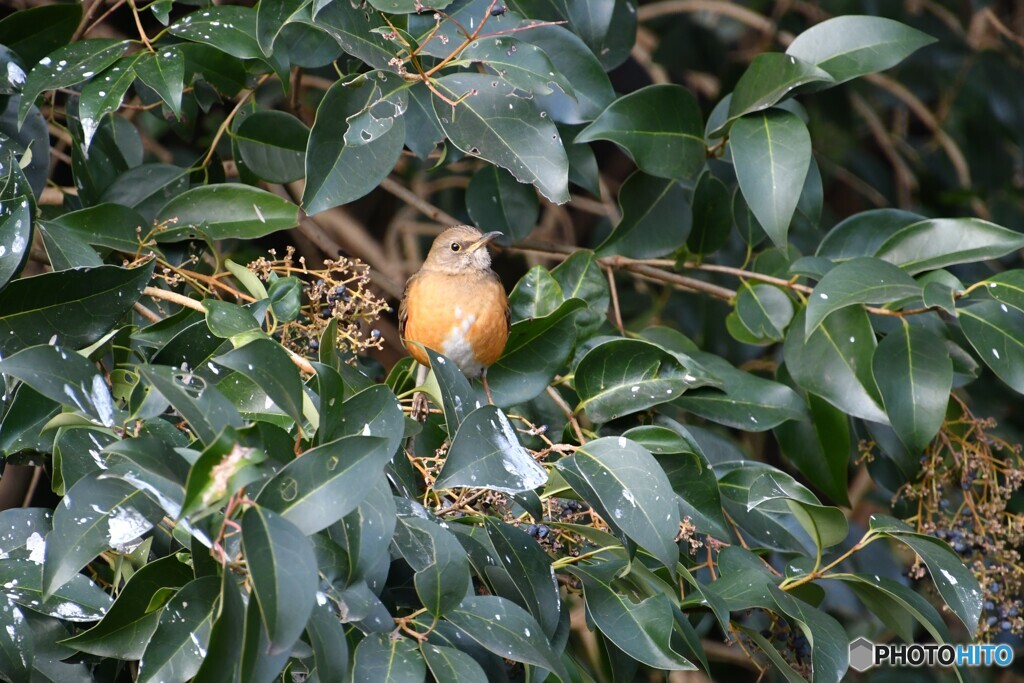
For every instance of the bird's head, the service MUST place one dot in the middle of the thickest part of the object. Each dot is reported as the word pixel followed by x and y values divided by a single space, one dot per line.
pixel 461 249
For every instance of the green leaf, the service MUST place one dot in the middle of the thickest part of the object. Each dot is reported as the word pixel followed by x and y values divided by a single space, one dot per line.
pixel 496 201
pixel 834 362
pixel 67 66
pixel 78 306
pixel 455 393
pixel 622 376
pixel 34 32
pixel 534 353
pixel 486 453
pixel 15 228
pixel 227 635
pixel 858 281
pixel 77 600
pixel 228 28
pixel 771 524
pixel 227 210
pixel 127 628
pixel 422 131
pixel 712 215
pixel 580 276
pixel 507 630
pixel 67 250
pixel 771 153
pixel 104 225
pixel 745 401
pixel 356 32
pixel 408 6
pixel 326 482
pixel 825 525
pixel 1007 287
pixel 608 27
pixel 655 218
pixel 642 630
pixel 26 144
pixel 956 583
pixel 770 78
pixel 273 145
pixel 286 298
pixel 819 446
pixel 765 310
pixel 164 72
pixel 623 481
pixel 851 46
pixel 97 514
pixel 440 563
pixel 518 63
pixel 659 127
pixel 914 374
pixel 531 579
pixel 896 604
pixel 996 332
pixel 178 645
pixel 100 96
pixel 17 649
pixel 508 131
pixel 272 17
pixel 451 665
pixel 863 233
pixel 342 166
pixel 327 638
pixel 205 408
pixel 267 364
pixel 939 242
pixel 573 59
pixel 379 658
pixel 64 377
pixel 284 578
pixel 536 295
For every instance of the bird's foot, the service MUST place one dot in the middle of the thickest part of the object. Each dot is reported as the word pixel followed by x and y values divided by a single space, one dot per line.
pixel 420 407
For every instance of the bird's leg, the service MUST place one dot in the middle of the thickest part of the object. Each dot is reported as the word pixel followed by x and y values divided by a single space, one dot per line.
pixel 420 406
pixel 487 389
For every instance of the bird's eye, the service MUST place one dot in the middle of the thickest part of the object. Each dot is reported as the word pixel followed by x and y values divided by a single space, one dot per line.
pixel 456 246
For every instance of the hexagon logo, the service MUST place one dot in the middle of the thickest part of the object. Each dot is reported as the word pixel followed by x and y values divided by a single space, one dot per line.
pixel 862 654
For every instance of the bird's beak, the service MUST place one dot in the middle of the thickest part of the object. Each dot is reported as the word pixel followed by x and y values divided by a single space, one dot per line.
pixel 482 242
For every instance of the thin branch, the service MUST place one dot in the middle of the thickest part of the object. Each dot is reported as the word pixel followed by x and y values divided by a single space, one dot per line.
pixel 399 190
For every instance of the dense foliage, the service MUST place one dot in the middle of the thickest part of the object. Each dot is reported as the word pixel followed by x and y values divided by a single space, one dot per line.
pixel 759 395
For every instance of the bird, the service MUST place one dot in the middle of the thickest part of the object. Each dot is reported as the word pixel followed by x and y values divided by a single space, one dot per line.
pixel 456 305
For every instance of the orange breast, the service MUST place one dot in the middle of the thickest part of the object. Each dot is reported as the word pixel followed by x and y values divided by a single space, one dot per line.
pixel 462 317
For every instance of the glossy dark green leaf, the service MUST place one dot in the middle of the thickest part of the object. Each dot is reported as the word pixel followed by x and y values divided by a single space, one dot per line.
pixel 327 638
pixel 535 351
pixel 105 225
pixel 1007 287
pixel 164 72
pixel 127 627
pixel 273 145
pixel 344 163
pixel 771 153
pixel 940 242
pixel 267 364
pixel 17 649
pixel 623 481
pixel 863 233
pixel 765 310
pixel 408 6
pixel 522 65
pixel 655 218
pixel 573 59
pixel 101 96
pixel 712 215
pixel 146 188
pixel 825 525
pixel 257 664
pixel 27 143
pixel 453 391
pixel 769 79
pixel 771 524
pixel 834 362
pixel 228 321
pixel 284 578
pixel 205 408
pixel 272 17
pixel 78 600
pixel 449 664
pixel 608 27
pixel 851 46
pixel 434 553
pixel 496 201
pixel 580 276
pixel 67 66
pixel 379 658
pixel 507 630
pixel 97 514
pixel 828 639
pixel 366 533
pixel 79 306
pixel 486 453
pixel 897 605
pixel 22 532
pixel 622 376
pixel 227 635
pixel 659 126
pixel 66 249
pixel 229 28
pixel 744 401
pixel 422 130
pixel 531 579
pixel 373 411
pixel 914 374
pixel 178 645
pixel 956 583
pixel 356 30
pixel 996 331
pixel 15 229
pixel 228 210
pixel 76 453
pixel 285 295
pixel 65 377
pixel 819 446
pixel 327 482
pixel 642 630
pixel 34 32
pixel 536 295
pixel 858 281
pixel 507 131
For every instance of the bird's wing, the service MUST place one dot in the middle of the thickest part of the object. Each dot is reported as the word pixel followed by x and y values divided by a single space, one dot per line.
pixel 403 308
